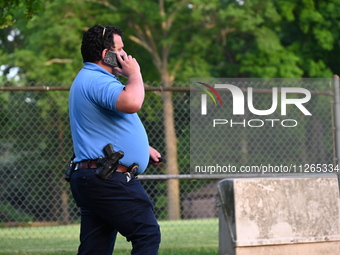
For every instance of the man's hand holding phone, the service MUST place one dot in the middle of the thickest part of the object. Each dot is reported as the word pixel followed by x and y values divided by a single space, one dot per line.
pixel 123 63
pixel 131 98
pixel 129 65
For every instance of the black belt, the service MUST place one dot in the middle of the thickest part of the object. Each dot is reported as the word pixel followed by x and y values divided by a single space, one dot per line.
pixel 90 164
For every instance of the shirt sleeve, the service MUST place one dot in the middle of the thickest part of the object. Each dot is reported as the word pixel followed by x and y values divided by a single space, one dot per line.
pixel 106 93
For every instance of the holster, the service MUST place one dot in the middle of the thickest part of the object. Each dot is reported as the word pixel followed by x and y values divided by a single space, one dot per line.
pixel 70 169
pixel 108 165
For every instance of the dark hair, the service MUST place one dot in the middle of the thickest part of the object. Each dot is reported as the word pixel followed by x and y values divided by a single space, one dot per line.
pixel 95 40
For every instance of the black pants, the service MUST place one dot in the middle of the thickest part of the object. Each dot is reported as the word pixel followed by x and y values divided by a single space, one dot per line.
pixel 118 204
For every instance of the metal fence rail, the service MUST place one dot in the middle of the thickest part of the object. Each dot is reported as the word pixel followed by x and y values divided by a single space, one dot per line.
pixel 35 145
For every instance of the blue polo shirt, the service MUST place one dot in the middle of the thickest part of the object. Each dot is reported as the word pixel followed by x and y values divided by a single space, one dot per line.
pixel 95 122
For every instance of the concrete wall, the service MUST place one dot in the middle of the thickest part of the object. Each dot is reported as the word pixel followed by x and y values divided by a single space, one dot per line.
pixel 280 215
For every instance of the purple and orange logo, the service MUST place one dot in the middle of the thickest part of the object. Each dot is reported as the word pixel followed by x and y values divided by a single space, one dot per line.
pixel 209 90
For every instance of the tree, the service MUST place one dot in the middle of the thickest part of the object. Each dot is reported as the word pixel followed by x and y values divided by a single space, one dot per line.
pixel 177 40
pixel 8 10
pixel 281 39
pixel 165 35
pixel 43 53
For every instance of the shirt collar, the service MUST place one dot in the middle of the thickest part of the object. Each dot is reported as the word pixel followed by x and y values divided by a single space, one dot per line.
pixel 97 68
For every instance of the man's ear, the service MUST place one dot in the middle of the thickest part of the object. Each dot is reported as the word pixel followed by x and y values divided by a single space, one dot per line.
pixel 104 53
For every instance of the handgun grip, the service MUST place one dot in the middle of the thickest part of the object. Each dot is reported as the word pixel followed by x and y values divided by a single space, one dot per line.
pixel 108 150
pixel 110 153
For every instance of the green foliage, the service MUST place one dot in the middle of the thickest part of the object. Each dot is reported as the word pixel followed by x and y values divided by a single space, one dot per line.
pixel 10 214
pixel 284 64
pixel 188 38
pixel 35 136
pixel 179 41
pixel 9 7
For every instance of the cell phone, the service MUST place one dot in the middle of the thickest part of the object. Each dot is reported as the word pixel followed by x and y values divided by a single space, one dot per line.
pixel 152 162
pixel 111 59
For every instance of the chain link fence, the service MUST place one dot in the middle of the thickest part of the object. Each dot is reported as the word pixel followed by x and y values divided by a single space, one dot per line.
pixel 35 146
pixel 262 124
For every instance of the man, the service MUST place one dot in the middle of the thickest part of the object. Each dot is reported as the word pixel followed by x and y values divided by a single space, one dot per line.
pixel 103 111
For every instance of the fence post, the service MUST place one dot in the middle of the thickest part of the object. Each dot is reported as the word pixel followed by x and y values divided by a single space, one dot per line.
pixel 337 120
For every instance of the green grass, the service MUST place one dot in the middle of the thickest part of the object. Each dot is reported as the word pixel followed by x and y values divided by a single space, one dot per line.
pixel 187 237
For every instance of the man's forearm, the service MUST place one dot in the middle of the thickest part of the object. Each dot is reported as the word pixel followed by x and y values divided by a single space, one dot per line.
pixel 132 97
